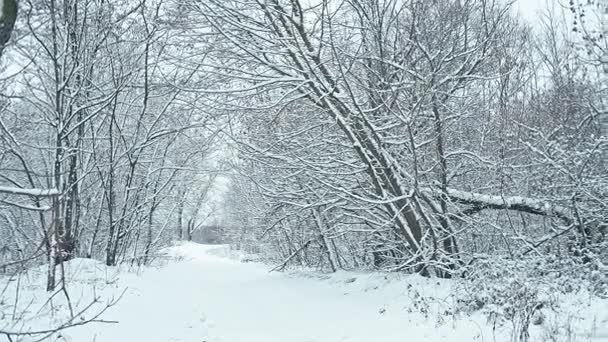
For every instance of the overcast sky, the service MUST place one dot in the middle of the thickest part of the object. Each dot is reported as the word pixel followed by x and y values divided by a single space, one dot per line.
pixel 529 9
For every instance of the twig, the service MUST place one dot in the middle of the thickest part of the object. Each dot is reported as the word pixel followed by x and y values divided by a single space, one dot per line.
pixel 284 263
pixel 68 324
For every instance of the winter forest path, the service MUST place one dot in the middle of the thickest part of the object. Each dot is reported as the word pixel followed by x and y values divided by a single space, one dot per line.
pixel 207 297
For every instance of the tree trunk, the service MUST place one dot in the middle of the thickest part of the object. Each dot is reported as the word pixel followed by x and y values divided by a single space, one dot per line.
pixel 7 22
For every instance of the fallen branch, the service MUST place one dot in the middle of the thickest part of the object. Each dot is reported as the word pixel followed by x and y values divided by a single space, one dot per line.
pixel 516 203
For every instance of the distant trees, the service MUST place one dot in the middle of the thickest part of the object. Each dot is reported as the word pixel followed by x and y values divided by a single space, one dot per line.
pixel 97 137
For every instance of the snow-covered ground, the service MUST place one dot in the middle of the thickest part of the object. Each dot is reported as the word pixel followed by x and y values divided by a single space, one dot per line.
pixel 200 294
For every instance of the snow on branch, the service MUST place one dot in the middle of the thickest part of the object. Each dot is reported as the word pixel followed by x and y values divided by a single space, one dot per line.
pixel 29 192
pixel 517 203
pixel 25 206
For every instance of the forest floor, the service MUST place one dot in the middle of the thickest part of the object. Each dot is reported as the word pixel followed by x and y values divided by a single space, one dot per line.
pixel 202 294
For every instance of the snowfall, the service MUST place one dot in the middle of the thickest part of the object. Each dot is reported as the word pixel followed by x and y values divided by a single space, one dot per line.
pixel 201 293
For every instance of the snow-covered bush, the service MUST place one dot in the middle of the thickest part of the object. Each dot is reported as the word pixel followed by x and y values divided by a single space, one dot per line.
pixel 520 292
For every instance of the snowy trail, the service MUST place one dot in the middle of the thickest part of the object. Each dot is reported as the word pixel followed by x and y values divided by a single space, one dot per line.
pixel 215 299
pixel 200 295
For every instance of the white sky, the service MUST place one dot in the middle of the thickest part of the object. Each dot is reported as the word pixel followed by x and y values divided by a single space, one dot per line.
pixel 529 9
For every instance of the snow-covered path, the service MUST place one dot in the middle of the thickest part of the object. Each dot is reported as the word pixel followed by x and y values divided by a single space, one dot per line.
pixel 215 299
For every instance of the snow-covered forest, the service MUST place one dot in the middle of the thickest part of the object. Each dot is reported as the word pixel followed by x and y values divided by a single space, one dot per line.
pixel 443 162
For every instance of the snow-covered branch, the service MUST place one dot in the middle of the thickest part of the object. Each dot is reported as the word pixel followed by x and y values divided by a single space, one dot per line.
pixel 517 203
pixel 29 192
